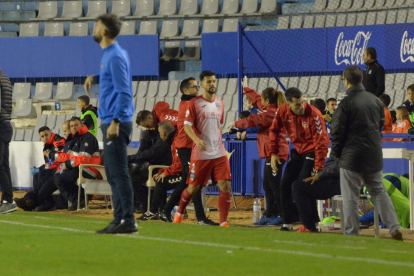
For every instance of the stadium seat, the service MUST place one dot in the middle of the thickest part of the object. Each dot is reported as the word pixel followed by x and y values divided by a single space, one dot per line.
pixel 229 8
pixel 410 16
pixel 371 18
pixel 19 136
pixel 142 88
pixel 356 5
pixel 409 79
pixel 229 118
pixel 28 135
pixel 320 5
pixel 169 29
pixel 149 103
pixel 296 22
pixel 361 19
pixel 187 7
pixel 210 26
pixel 173 88
pixel 29 29
pixel 341 20
pixel 64 91
pixel 409 3
pixel 253 83
pixel 140 105
pixel 313 85
pixel 69 116
pixel 152 89
pixel 303 84
pixel 191 29
pixel 273 83
pixel 391 17
pixel 95 9
pixel 144 8
pixel 346 5
pixel 72 10
pixel 161 99
pixel 136 133
pixel 399 81
pixel 8 34
pixel 94 102
pixel 21 91
pixel 54 29
pixel 235 103
pixel 402 16
pixel 61 118
pixel 172 50
pixel 121 8
pixel 163 88
pixel 78 29
pixel 230 25
pixel 78 111
pixel 267 7
pixel 222 86
pixel 148 28
pixel 208 8
pixel 167 8
pixel 389 82
pixel 283 23
pixel 128 28
pixel 99 135
pixel 379 4
pixel 43 91
pixel 177 102
pixel 134 88
pixel 263 84
pixel 308 22
pixel 51 121
pixel 192 50
pixel 249 7
pixel 390 4
pixel 333 5
pixel 351 19
pixel 170 101
pixel 320 21
pixel 227 100
pixel 47 11
pixel 335 83
pixel 330 21
pixel 368 4
pixel 24 109
pixel 231 86
pixel 293 82
pixel 381 18
pixel 323 87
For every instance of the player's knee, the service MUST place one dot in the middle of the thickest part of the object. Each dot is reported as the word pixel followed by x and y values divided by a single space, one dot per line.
pixel 192 189
pixel 224 185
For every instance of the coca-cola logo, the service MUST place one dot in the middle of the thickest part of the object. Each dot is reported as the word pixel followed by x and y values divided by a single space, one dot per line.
pixel 351 51
pixel 407 48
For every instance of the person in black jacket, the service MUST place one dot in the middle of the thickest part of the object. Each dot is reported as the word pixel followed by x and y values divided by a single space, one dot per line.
pixel 356 136
pixel 154 151
pixel 323 185
pixel 6 133
pixel 374 75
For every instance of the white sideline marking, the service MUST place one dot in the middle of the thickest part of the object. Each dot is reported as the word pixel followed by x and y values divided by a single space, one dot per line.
pixel 320 244
pixel 395 251
pixel 83 221
pixel 227 246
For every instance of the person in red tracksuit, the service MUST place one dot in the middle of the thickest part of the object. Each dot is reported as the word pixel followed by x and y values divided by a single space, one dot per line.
pixel 267 103
pixel 83 149
pixel 306 129
pixel 40 198
pixel 189 89
pixel 161 112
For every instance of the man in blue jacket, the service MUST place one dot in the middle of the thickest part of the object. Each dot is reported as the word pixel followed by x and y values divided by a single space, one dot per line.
pixel 115 110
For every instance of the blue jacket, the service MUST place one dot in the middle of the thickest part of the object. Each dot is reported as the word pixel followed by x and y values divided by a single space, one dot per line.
pixel 115 86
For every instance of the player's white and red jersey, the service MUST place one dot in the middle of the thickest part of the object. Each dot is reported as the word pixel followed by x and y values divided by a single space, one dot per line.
pixel 207 119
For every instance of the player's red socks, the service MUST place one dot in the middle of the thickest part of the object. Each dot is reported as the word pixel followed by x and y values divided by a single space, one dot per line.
pixel 224 206
pixel 184 201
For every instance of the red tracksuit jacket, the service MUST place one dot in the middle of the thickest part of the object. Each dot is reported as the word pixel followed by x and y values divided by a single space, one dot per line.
pixel 183 141
pixel 264 120
pixel 163 112
pixel 307 132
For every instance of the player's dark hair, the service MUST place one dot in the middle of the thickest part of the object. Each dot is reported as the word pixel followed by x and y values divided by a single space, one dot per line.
pixel 206 74
pixel 111 23
pixel 43 128
pixel 142 116
pixel 291 93
pixel 185 84
pixel 353 74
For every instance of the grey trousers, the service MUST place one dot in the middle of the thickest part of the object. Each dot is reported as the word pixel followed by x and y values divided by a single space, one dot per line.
pixel 350 189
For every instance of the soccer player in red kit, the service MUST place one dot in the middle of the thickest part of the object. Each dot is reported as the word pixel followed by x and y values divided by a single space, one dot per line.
pixel 203 122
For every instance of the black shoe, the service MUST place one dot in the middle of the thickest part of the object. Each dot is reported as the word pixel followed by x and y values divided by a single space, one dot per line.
pixel 148 216
pixel 45 207
pixel 26 205
pixel 397 235
pixel 164 217
pixel 286 229
pixel 107 229
pixel 74 206
pixel 207 221
pixel 140 209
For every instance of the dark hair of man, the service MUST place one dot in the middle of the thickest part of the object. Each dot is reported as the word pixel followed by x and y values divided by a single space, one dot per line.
pixel 43 128
pixel 319 104
pixel 244 114
pixel 331 100
pixel 111 23
pixel 185 84
pixel 372 52
pixel 270 94
pixel 385 99
pixel 84 99
pixel 206 74
pixel 411 87
pixel 74 118
pixel 142 116
pixel 291 93
pixel 353 74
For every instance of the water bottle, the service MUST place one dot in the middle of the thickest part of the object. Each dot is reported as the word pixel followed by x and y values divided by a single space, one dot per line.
pixel 257 210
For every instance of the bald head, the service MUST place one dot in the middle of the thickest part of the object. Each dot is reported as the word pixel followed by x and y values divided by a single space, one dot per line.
pixel 165 128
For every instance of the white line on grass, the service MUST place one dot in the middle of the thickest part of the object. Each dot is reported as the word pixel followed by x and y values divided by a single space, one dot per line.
pixel 228 246
pixel 72 220
pixel 320 244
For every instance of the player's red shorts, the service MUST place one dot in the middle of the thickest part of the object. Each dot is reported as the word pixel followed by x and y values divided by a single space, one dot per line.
pixel 202 170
